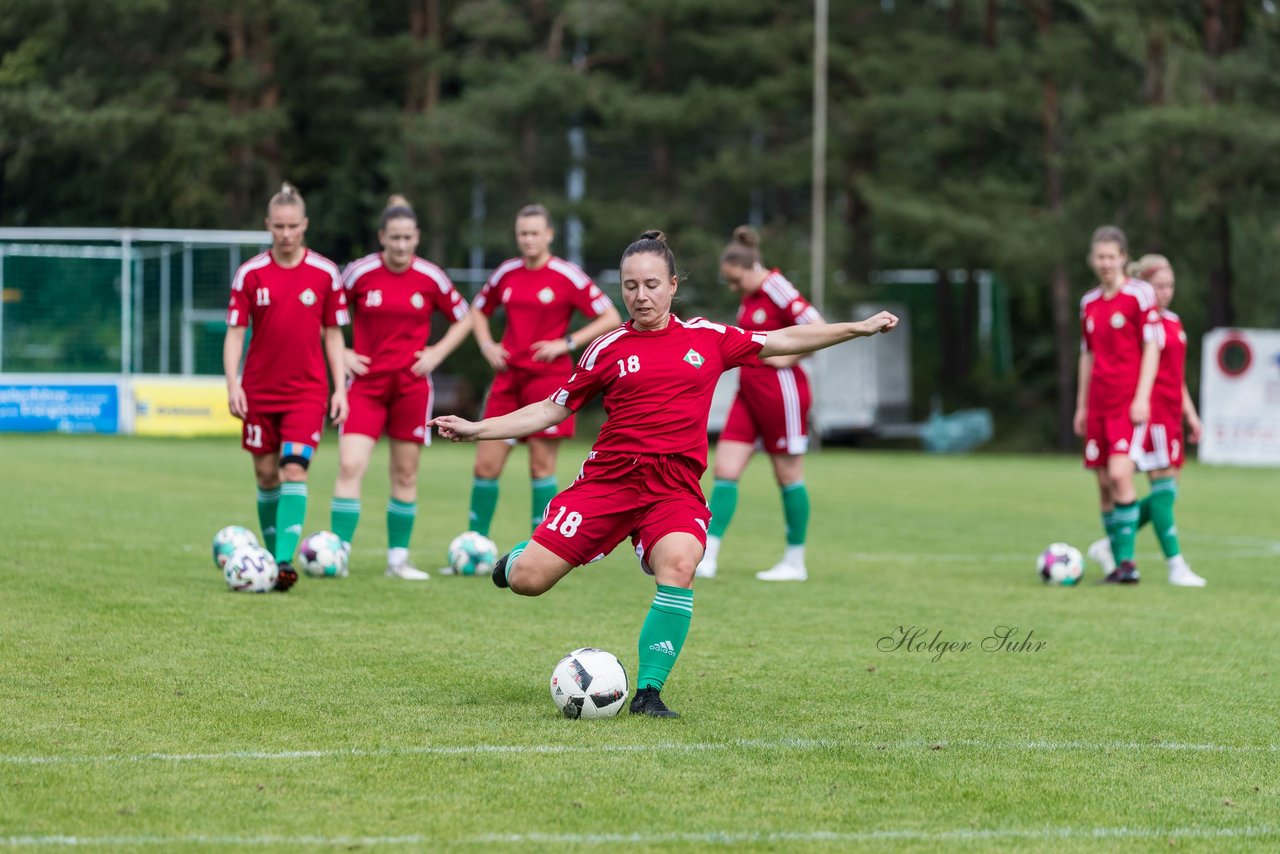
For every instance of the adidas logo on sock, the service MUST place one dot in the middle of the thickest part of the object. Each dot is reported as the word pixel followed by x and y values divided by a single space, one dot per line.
pixel 293 529
pixel 664 646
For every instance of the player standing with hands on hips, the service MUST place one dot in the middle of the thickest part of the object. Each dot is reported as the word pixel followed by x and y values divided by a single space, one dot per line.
pixel 657 374
pixel 1119 356
pixel 771 407
pixel 293 299
pixel 393 295
pixel 540 293
pixel 1165 446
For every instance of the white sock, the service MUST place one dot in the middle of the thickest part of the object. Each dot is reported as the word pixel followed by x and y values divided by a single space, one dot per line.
pixel 794 556
pixel 713 550
pixel 395 557
pixel 1177 562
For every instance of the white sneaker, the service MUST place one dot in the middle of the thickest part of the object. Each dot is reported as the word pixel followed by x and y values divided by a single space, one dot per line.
pixel 783 572
pixel 706 568
pixel 1100 553
pixel 407 572
pixel 1180 575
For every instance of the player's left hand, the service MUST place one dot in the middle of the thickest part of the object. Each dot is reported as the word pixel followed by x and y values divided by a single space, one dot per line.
pixel 1140 411
pixel 428 361
pixel 1196 429
pixel 338 407
pixel 549 351
pixel 455 429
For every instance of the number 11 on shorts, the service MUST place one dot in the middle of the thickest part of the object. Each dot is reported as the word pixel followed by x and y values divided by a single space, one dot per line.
pixel 569 526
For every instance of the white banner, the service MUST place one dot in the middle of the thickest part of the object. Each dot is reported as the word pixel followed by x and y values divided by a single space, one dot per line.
pixel 1240 397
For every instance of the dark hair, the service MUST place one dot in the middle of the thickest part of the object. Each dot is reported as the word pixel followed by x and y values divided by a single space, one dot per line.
pixel 653 243
pixel 1110 234
pixel 535 210
pixel 288 195
pixel 744 249
pixel 397 208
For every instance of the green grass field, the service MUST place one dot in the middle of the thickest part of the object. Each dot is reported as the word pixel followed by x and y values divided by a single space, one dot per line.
pixel 144 705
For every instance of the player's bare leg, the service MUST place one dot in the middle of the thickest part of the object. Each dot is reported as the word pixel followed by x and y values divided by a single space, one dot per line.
pixel 530 569
pixel 674 560
pixel 1120 471
pixel 354 453
pixel 542 476
pixel 402 509
pixel 788 470
pixel 491 457
pixel 731 461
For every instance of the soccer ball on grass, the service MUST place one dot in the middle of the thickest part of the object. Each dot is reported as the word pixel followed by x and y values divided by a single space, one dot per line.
pixel 589 683
pixel 1060 564
pixel 251 569
pixel 228 540
pixel 471 554
pixel 321 555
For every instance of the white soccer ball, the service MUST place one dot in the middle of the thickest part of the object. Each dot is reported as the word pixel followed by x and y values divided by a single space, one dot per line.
pixel 472 554
pixel 321 555
pixel 228 540
pixel 251 569
pixel 1060 564
pixel 589 683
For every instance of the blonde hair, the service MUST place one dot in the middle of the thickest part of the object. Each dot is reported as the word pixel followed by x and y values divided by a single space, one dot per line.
pixel 1145 266
pixel 744 249
pixel 288 195
pixel 398 207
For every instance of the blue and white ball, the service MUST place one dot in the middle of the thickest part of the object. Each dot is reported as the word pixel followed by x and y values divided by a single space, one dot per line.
pixel 1060 564
pixel 472 554
pixel 251 569
pixel 321 555
pixel 228 540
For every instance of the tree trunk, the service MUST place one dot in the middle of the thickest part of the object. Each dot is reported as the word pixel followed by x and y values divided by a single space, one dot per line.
pixel 422 98
pixel 1220 37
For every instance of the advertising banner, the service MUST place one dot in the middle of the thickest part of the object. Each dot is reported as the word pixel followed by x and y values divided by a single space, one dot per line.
pixel 182 406
pixel 1240 397
pixel 59 405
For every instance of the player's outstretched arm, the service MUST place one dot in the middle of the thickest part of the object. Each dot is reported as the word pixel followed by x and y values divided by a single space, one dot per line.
pixel 531 419
pixel 817 336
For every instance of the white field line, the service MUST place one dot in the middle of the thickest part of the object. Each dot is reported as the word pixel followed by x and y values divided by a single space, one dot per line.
pixel 707 837
pixel 471 750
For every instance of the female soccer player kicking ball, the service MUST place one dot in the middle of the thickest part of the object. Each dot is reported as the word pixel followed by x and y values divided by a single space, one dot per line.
pixel 540 294
pixel 1119 355
pixel 294 300
pixel 657 374
pixel 772 408
pixel 1165 443
pixel 393 295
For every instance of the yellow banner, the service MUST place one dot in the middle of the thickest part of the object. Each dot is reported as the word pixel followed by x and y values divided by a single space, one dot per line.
pixel 195 406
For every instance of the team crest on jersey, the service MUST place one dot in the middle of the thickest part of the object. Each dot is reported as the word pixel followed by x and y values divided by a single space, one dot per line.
pixel 694 358
pixel 546 295
pixel 1088 325
pixel 1182 335
pixel 308 297
pixel 758 316
pixel 1117 320
pixel 416 300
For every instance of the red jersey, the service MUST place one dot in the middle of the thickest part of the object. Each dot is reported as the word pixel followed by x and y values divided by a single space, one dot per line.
pixel 539 306
pixel 776 305
pixel 287 309
pixel 1115 329
pixel 393 310
pixel 1166 394
pixel 658 385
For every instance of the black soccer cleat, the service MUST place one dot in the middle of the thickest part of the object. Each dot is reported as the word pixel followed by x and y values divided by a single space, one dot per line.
pixel 648 702
pixel 1125 573
pixel 287 577
pixel 499 574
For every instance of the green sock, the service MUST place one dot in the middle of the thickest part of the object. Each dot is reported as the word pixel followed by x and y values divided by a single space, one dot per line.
pixel 291 515
pixel 724 500
pixel 1144 507
pixel 1164 493
pixel 268 501
pixel 663 633
pixel 1126 526
pixel 400 516
pixel 516 551
pixel 795 508
pixel 1109 527
pixel 484 499
pixel 344 515
pixel 544 489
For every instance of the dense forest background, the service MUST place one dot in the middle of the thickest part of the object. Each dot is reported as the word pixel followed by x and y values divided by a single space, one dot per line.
pixel 965 135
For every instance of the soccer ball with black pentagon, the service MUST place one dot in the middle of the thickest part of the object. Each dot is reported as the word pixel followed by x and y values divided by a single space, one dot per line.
pixel 1060 564
pixel 589 683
